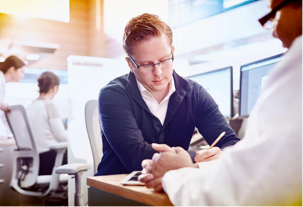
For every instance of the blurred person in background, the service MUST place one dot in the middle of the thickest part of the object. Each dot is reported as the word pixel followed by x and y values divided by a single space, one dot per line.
pixel 11 70
pixel 46 124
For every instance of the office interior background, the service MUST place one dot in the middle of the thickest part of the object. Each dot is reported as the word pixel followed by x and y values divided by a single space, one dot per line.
pixel 81 42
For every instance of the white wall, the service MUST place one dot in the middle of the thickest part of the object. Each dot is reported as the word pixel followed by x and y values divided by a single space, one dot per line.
pixel 238 23
pixel 86 76
pixel 118 12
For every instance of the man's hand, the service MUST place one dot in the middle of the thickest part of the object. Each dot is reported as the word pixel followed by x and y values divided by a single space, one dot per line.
pixel 151 182
pixel 170 161
pixel 208 155
pixel 147 177
pixel 148 164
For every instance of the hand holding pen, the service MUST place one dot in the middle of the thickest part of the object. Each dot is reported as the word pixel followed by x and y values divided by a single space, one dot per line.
pixel 211 153
pixel 203 155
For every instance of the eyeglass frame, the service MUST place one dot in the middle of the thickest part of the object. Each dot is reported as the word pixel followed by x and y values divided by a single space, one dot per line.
pixel 152 64
pixel 272 13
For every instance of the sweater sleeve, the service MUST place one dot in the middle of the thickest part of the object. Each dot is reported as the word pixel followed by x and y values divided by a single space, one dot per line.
pixel 120 128
pixel 210 122
pixel 55 122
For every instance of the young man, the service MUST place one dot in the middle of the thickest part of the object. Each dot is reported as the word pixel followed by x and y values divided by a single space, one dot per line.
pixel 265 168
pixel 153 104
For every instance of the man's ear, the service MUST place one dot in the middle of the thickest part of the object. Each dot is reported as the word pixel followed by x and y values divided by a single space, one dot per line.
pixel 130 64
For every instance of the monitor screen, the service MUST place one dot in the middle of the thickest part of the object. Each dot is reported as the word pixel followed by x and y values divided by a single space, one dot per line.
pixel 252 79
pixel 218 83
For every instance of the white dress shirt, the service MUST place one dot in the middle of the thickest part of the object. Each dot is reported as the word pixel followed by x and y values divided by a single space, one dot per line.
pixel 157 109
pixel 265 168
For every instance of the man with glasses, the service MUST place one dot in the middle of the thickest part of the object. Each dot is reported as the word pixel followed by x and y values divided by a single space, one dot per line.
pixel 265 168
pixel 153 104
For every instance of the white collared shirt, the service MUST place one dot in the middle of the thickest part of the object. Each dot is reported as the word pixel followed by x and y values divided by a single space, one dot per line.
pixel 157 109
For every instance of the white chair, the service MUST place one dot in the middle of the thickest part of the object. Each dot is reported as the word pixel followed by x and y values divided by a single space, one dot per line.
pixel 25 178
pixel 75 169
pixel 94 135
pixel 93 131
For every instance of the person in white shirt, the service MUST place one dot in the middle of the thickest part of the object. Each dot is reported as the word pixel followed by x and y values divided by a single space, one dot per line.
pixel 265 168
pixel 46 124
pixel 11 70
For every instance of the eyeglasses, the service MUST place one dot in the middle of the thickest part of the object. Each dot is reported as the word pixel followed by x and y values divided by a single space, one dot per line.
pixel 268 21
pixel 149 67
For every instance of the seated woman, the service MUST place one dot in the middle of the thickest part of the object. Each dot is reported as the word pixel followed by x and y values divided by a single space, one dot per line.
pixel 46 124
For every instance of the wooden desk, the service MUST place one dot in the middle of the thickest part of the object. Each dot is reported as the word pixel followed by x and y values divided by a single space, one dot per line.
pixel 106 190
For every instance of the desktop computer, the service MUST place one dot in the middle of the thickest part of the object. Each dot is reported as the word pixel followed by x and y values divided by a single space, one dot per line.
pixel 219 84
pixel 253 77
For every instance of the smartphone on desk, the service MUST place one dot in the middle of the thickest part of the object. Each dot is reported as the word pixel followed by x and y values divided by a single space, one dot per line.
pixel 132 179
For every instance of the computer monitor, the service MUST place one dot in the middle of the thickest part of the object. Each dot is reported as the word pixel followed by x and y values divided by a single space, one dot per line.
pixel 219 84
pixel 252 79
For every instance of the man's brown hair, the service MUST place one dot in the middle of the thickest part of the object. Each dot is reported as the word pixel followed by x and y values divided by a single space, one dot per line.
pixel 143 27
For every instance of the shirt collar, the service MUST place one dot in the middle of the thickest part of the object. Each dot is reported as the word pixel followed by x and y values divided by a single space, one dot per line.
pixel 171 85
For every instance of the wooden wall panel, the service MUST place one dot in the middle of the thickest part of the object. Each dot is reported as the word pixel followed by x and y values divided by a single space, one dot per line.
pixel 73 37
pixel 96 29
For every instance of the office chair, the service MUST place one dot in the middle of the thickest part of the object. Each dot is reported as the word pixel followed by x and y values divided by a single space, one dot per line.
pixel 93 131
pixel 75 169
pixel 25 178
pixel 94 135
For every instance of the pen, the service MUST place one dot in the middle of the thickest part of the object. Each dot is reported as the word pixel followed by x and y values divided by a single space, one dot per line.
pixel 217 140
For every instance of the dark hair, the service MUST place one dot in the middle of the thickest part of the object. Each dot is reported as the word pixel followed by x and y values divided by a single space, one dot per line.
pixel 46 81
pixel 143 27
pixel 11 61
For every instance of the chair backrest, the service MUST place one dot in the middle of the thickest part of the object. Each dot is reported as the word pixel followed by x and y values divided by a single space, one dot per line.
pixel 18 122
pixel 26 153
pixel 93 131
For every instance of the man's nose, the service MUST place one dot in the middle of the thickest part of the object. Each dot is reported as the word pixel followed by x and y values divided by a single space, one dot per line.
pixel 157 69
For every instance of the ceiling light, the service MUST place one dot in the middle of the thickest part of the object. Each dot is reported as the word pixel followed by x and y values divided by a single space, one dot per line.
pixel 57 10
pixel 32 57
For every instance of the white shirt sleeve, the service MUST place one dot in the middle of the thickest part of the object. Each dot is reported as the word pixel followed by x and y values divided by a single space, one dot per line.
pixel 55 122
pixel 265 168
pixel 263 174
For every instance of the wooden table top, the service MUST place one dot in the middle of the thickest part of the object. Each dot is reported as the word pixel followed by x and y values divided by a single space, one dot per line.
pixel 110 183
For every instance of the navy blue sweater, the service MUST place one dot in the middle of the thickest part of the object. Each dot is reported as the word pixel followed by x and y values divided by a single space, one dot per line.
pixel 129 128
